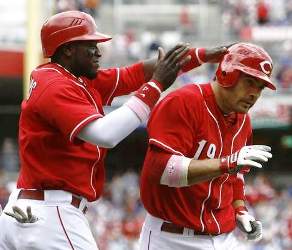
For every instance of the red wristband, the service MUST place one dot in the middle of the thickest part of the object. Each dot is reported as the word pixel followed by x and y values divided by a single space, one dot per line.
pixel 239 210
pixel 149 93
pixel 198 57
pixel 228 164
pixel 158 84
pixel 224 165
pixel 202 54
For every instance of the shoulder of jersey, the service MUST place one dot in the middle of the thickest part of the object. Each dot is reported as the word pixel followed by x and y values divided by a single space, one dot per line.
pixel 47 75
pixel 189 94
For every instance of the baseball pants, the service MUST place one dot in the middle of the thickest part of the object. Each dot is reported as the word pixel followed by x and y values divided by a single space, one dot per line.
pixel 60 226
pixel 152 238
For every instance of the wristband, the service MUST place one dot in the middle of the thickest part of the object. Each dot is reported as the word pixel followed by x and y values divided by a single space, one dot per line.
pixel 240 209
pixel 228 164
pixel 198 57
pixel 201 55
pixel 149 93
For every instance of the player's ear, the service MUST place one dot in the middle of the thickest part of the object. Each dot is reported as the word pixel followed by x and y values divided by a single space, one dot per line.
pixel 68 49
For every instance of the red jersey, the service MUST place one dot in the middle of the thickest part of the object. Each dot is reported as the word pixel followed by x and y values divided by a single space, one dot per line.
pixel 59 106
pixel 188 122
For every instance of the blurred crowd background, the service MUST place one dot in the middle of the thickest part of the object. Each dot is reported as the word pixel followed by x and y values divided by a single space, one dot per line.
pixel 138 28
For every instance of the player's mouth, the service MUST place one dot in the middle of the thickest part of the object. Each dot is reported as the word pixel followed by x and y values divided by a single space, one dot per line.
pixel 95 64
pixel 247 105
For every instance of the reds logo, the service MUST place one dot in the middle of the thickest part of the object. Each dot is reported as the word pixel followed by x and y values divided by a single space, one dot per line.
pixel 266 67
pixel 32 86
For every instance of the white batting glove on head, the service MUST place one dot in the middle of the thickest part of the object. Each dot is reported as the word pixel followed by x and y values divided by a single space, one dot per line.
pixel 247 224
pixel 251 156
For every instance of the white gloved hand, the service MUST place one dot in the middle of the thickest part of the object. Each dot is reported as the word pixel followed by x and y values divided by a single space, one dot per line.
pixel 251 156
pixel 249 225
pixel 19 215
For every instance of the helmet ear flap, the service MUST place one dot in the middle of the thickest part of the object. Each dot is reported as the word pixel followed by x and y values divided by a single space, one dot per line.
pixel 227 79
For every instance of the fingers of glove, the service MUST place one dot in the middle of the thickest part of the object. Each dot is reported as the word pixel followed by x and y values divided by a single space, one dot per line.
pixel 19 212
pixel 256 233
pixel 262 147
pixel 29 214
pixel 15 216
pixel 250 163
pixel 245 222
pixel 257 155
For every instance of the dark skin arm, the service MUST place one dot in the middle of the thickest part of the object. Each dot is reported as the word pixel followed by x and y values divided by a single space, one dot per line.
pixel 213 55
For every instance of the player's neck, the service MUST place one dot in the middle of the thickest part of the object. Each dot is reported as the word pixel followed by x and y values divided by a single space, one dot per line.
pixel 220 98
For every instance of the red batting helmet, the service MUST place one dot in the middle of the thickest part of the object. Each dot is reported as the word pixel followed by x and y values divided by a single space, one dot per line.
pixel 69 26
pixel 247 58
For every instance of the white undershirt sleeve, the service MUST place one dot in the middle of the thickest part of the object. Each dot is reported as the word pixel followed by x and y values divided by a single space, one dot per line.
pixel 111 129
pixel 175 173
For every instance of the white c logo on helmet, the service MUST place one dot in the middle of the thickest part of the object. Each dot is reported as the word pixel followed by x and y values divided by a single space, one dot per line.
pixel 266 67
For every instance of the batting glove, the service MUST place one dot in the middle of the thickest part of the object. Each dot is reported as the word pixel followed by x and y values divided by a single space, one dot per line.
pixel 247 224
pixel 247 156
pixel 20 216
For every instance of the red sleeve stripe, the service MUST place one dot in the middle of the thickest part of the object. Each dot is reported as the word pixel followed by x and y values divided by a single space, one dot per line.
pixel 164 146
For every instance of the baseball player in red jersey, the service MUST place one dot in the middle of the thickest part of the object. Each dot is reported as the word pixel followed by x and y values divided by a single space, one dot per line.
pixel 64 133
pixel 200 146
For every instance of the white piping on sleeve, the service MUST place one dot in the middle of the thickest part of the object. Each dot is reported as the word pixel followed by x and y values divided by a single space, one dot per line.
pixel 111 129
pixel 116 85
pixel 165 146
pixel 197 55
pixel 82 122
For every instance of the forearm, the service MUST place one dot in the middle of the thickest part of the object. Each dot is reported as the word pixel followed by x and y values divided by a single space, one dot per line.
pixel 203 170
pixel 149 67
pixel 197 58
pixel 181 171
pixel 238 203
pixel 109 130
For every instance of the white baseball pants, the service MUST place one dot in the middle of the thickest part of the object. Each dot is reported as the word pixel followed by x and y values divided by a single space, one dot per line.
pixel 152 238
pixel 60 226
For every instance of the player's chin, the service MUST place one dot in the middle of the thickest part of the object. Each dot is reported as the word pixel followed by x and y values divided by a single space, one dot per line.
pixel 243 109
pixel 92 74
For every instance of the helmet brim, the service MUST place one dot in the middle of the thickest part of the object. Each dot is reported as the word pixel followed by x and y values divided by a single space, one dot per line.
pixel 97 36
pixel 258 74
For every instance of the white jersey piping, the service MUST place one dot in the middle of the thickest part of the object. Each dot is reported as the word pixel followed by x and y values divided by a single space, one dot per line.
pixel 165 146
pixel 78 125
pixel 221 148
pixel 116 85
pixel 82 122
